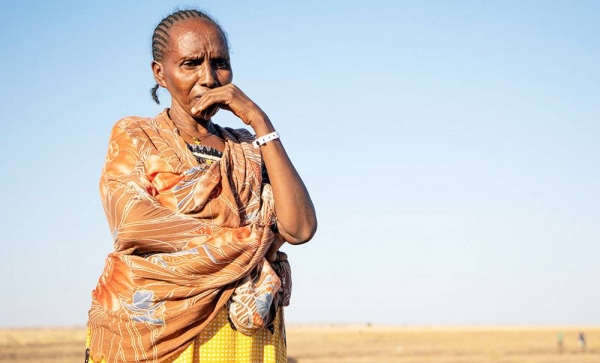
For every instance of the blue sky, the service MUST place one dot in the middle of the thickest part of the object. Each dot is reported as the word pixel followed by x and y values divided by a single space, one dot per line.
pixel 451 150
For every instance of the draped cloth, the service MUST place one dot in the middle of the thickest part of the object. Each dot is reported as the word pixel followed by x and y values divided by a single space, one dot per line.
pixel 185 237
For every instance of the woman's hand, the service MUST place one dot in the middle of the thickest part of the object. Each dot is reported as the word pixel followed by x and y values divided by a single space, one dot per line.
pixel 296 218
pixel 271 255
pixel 231 98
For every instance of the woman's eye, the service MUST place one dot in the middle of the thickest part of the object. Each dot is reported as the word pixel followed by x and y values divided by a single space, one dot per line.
pixel 192 63
pixel 221 63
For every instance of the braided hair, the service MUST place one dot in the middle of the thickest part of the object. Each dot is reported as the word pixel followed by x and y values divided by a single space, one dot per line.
pixel 160 37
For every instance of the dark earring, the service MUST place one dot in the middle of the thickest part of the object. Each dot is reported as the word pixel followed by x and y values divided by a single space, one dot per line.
pixel 154 95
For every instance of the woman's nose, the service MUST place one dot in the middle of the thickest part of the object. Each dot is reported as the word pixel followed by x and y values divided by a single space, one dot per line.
pixel 208 76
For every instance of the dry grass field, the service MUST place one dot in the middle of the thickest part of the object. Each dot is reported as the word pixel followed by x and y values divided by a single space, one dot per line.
pixel 337 344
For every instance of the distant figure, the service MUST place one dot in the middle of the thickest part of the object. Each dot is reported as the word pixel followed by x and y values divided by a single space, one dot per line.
pixel 582 341
pixel 560 339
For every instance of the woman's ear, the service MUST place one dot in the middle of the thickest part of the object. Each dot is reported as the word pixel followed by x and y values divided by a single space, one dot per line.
pixel 159 75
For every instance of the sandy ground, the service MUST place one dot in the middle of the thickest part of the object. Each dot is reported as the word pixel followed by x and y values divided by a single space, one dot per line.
pixel 441 344
pixel 344 344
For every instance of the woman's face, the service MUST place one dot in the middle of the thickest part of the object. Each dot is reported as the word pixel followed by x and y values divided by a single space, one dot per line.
pixel 196 60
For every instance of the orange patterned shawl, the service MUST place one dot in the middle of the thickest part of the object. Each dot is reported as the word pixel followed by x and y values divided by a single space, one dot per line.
pixel 184 237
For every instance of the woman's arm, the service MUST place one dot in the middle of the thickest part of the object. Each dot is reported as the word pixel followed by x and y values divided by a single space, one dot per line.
pixel 296 217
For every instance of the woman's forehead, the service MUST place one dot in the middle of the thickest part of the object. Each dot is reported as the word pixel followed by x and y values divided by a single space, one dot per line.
pixel 197 35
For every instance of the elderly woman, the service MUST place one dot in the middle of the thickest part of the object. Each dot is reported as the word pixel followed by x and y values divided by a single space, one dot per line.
pixel 198 213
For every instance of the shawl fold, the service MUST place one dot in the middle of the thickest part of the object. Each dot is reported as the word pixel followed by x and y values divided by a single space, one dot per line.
pixel 185 236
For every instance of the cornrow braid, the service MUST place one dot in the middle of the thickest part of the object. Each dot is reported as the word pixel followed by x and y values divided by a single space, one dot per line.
pixel 160 37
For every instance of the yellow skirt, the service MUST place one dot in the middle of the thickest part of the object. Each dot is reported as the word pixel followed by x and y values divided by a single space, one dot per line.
pixel 220 343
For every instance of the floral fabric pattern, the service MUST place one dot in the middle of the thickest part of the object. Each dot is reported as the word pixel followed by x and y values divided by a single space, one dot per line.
pixel 185 237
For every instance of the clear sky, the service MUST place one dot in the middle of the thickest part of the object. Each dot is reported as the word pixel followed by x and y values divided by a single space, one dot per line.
pixel 451 149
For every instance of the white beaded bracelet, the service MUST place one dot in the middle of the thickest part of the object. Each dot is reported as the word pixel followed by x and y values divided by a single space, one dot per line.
pixel 264 139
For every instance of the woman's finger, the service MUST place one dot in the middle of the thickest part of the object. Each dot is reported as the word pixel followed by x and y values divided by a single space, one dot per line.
pixel 229 98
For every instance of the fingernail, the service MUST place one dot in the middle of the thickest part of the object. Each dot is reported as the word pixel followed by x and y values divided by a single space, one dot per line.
pixel 193 109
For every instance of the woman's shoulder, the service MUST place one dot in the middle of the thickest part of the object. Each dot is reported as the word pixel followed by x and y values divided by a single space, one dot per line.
pixel 130 123
pixel 133 128
pixel 138 126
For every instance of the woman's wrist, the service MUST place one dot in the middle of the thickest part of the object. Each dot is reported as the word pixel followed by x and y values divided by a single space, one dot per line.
pixel 261 124
pixel 260 141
